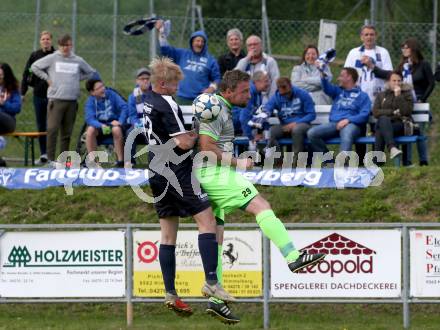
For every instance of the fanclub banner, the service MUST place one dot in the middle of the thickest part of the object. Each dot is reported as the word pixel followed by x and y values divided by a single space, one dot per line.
pixel 62 264
pixel 242 264
pixel 40 178
pixel 359 264
pixel 425 263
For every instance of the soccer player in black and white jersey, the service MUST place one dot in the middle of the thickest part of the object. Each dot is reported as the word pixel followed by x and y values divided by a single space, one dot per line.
pixel 171 181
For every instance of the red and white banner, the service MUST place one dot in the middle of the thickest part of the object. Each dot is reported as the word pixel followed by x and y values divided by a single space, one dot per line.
pixel 359 263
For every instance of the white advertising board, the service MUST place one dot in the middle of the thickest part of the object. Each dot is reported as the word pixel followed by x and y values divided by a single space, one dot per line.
pixel 360 263
pixel 425 263
pixel 62 264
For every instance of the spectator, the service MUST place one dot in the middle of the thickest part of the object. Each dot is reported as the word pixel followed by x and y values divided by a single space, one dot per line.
pixel 257 60
pixel 62 71
pixel 10 101
pixel 228 61
pixel 308 77
pixel 364 57
pixel 40 90
pixel 349 112
pixel 392 108
pixel 259 84
pixel 296 111
pixel 105 113
pixel 200 69
pixel 418 73
pixel 136 102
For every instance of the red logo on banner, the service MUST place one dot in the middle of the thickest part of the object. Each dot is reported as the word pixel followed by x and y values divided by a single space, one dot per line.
pixel 147 252
pixel 338 245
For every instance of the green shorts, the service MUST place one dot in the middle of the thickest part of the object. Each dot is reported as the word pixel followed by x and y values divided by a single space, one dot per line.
pixel 227 190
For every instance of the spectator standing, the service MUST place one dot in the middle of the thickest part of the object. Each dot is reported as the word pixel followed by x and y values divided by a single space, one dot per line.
pixel 200 69
pixel 40 90
pixel 228 61
pixel 10 101
pixel 105 114
pixel 257 60
pixel 62 70
pixel 308 77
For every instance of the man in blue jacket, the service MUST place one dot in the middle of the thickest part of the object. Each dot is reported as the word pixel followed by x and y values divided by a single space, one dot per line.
pixel 105 113
pixel 350 111
pixel 260 83
pixel 296 111
pixel 200 69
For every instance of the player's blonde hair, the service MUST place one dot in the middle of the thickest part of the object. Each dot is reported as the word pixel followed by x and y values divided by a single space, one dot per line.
pixel 164 69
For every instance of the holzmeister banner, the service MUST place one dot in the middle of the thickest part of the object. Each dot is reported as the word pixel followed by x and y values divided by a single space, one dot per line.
pixel 359 263
pixel 62 264
pixel 242 264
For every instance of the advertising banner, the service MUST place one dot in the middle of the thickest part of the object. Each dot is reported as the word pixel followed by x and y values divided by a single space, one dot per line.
pixel 242 264
pixel 359 263
pixel 425 263
pixel 62 264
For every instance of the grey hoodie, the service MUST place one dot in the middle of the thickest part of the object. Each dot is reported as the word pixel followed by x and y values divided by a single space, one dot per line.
pixel 65 74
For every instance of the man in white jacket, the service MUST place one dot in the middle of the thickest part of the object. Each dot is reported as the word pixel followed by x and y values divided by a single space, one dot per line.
pixel 361 58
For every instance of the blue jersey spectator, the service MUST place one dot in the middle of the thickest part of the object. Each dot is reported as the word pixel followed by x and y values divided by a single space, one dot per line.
pixel 259 84
pixel 10 101
pixel 349 112
pixel 296 111
pixel 200 69
pixel 105 112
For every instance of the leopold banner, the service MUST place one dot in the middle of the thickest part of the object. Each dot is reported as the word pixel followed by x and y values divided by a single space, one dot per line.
pixel 242 265
pixel 425 263
pixel 62 264
pixel 360 263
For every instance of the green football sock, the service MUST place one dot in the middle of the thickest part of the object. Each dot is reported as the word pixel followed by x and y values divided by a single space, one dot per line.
pixel 274 229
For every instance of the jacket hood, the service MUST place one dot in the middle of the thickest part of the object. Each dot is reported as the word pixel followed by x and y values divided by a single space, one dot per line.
pixel 202 34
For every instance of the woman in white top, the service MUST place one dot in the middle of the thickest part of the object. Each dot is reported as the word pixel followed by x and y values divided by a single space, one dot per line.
pixel 308 77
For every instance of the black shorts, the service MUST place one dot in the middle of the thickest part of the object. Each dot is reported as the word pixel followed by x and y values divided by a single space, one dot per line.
pixel 172 203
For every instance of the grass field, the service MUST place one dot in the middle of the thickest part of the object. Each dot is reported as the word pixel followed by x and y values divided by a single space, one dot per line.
pixel 154 316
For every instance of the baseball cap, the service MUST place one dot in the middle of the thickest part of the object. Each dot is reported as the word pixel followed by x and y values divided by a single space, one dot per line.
pixel 142 71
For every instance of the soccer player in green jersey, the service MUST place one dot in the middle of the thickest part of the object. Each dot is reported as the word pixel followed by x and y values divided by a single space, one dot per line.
pixel 228 190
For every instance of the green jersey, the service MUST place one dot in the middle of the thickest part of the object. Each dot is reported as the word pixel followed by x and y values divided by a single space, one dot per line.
pixel 222 128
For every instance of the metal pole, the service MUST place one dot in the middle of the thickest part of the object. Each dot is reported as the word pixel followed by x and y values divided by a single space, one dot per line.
pixel 434 35
pixel 74 13
pixel 129 275
pixel 152 33
pixel 405 293
pixel 373 12
pixel 37 24
pixel 115 38
pixel 263 32
pixel 266 282
pixel 193 16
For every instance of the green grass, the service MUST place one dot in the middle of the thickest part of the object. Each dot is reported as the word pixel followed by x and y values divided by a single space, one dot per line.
pixel 154 316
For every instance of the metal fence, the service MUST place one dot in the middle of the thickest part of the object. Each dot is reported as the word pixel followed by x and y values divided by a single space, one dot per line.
pixel 405 300
pixel 100 41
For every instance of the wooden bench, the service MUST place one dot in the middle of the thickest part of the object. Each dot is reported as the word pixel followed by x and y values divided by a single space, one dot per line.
pixel 29 138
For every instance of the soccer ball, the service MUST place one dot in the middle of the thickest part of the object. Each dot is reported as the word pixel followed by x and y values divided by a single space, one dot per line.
pixel 206 107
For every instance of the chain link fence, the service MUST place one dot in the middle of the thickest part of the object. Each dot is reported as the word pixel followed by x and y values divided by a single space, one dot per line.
pixel 100 41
